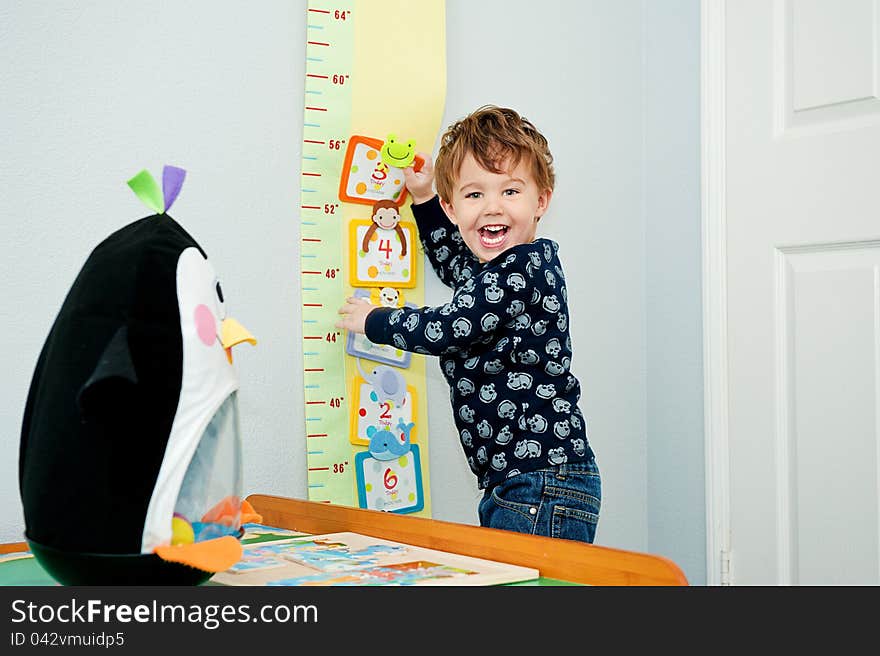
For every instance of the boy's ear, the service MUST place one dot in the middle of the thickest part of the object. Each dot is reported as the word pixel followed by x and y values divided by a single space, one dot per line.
pixel 543 203
pixel 449 209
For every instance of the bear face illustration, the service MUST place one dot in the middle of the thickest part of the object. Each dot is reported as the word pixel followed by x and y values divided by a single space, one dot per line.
pixel 398 341
pixel 465 386
pixel 529 357
pixel 507 409
pixel 494 293
pixel 522 322
pixel 504 435
pixel 557 456
pixel 527 449
pixel 516 281
pixel 489 322
pixel 561 429
pixel 394 317
pixel 466 413
pixel 519 380
pixel 554 368
pixel 562 322
pixel 579 446
pixel 448 308
pixel 490 278
pixel 471 363
pixel 433 331
pixel 493 366
pixel 482 455
pixel 411 322
pixel 562 406
pixel 537 424
pixel 516 307
pixel 438 234
pixel 551 303
pixel 547 391
pixel 488 393
pixel 449 368
pixel 499 462
pixel 548 252
pixel 442 253
pixel 553 347
pixel 465 301
pixel 466 438
pixel 550 278
pixel 461 327
pixel 484 430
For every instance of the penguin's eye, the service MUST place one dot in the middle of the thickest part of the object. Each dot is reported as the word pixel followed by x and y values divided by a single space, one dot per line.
pixel 221 305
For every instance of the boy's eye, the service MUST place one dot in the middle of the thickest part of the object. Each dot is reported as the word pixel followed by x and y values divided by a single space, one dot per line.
pixel 511 192
pixel 473 194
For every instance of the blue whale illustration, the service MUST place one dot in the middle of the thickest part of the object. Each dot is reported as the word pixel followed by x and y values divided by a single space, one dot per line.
pixel 385 445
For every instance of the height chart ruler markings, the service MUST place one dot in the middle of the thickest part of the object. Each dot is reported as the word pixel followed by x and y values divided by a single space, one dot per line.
pixel 326 126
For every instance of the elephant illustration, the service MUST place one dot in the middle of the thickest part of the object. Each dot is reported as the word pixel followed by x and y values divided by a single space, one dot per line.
pixel 388 383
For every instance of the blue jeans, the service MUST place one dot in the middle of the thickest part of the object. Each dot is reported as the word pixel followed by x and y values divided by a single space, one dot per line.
pixel 559 502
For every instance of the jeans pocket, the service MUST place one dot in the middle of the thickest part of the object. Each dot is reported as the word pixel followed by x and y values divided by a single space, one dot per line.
pixel 575 498
pixel 573 524
pixel 511 505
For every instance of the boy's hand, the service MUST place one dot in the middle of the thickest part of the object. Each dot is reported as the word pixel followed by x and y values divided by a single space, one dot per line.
pixel 354 314
pixel 420 183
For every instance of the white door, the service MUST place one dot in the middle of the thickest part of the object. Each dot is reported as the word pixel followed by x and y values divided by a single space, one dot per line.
pixel 794 352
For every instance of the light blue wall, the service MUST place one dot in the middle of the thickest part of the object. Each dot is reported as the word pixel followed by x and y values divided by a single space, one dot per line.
pixel 93 91
pixel 676 480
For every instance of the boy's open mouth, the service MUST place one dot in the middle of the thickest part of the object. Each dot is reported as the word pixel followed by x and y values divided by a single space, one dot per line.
pixel 492 235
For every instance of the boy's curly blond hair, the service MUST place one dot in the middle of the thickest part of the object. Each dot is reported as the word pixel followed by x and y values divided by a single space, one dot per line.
pixel 492 135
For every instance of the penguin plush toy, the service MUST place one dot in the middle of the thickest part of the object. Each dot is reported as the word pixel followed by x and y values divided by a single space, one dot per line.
pixel 130 455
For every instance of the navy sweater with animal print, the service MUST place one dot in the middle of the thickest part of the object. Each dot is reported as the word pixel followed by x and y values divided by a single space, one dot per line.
pixel 504 348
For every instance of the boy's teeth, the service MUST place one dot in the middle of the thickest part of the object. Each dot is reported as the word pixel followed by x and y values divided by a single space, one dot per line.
pixel 492 235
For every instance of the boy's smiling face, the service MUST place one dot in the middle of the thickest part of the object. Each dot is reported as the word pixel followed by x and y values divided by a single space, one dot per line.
pixel 496 211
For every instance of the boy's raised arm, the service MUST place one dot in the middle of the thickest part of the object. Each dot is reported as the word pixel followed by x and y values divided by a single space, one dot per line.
pixel 440 238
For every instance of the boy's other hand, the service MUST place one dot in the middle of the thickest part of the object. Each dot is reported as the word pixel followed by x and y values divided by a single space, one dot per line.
pixel 354 314
pixel 420 183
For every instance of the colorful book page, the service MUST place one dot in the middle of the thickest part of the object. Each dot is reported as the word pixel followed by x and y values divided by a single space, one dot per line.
pixel 412 573
pixel 390 485
pixel 254 532
pixel 384 263
pixel 348 558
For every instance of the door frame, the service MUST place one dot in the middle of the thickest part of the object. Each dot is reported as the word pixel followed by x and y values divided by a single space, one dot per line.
pixel 714 245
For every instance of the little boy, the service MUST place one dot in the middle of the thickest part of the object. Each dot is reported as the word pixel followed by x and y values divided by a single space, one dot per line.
pixel 503 339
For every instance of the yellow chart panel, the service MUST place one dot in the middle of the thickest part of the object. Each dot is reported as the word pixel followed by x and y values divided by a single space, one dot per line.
pixel 374 69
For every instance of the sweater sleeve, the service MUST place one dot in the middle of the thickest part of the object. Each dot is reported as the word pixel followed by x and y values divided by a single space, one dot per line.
pixel 441 241
pixel 478 309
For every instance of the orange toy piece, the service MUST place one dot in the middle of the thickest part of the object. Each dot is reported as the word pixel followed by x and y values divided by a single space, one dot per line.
pixel 215 555
pixel 228 508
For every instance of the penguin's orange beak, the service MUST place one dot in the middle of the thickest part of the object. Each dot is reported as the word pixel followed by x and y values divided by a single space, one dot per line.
pixel 232 333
